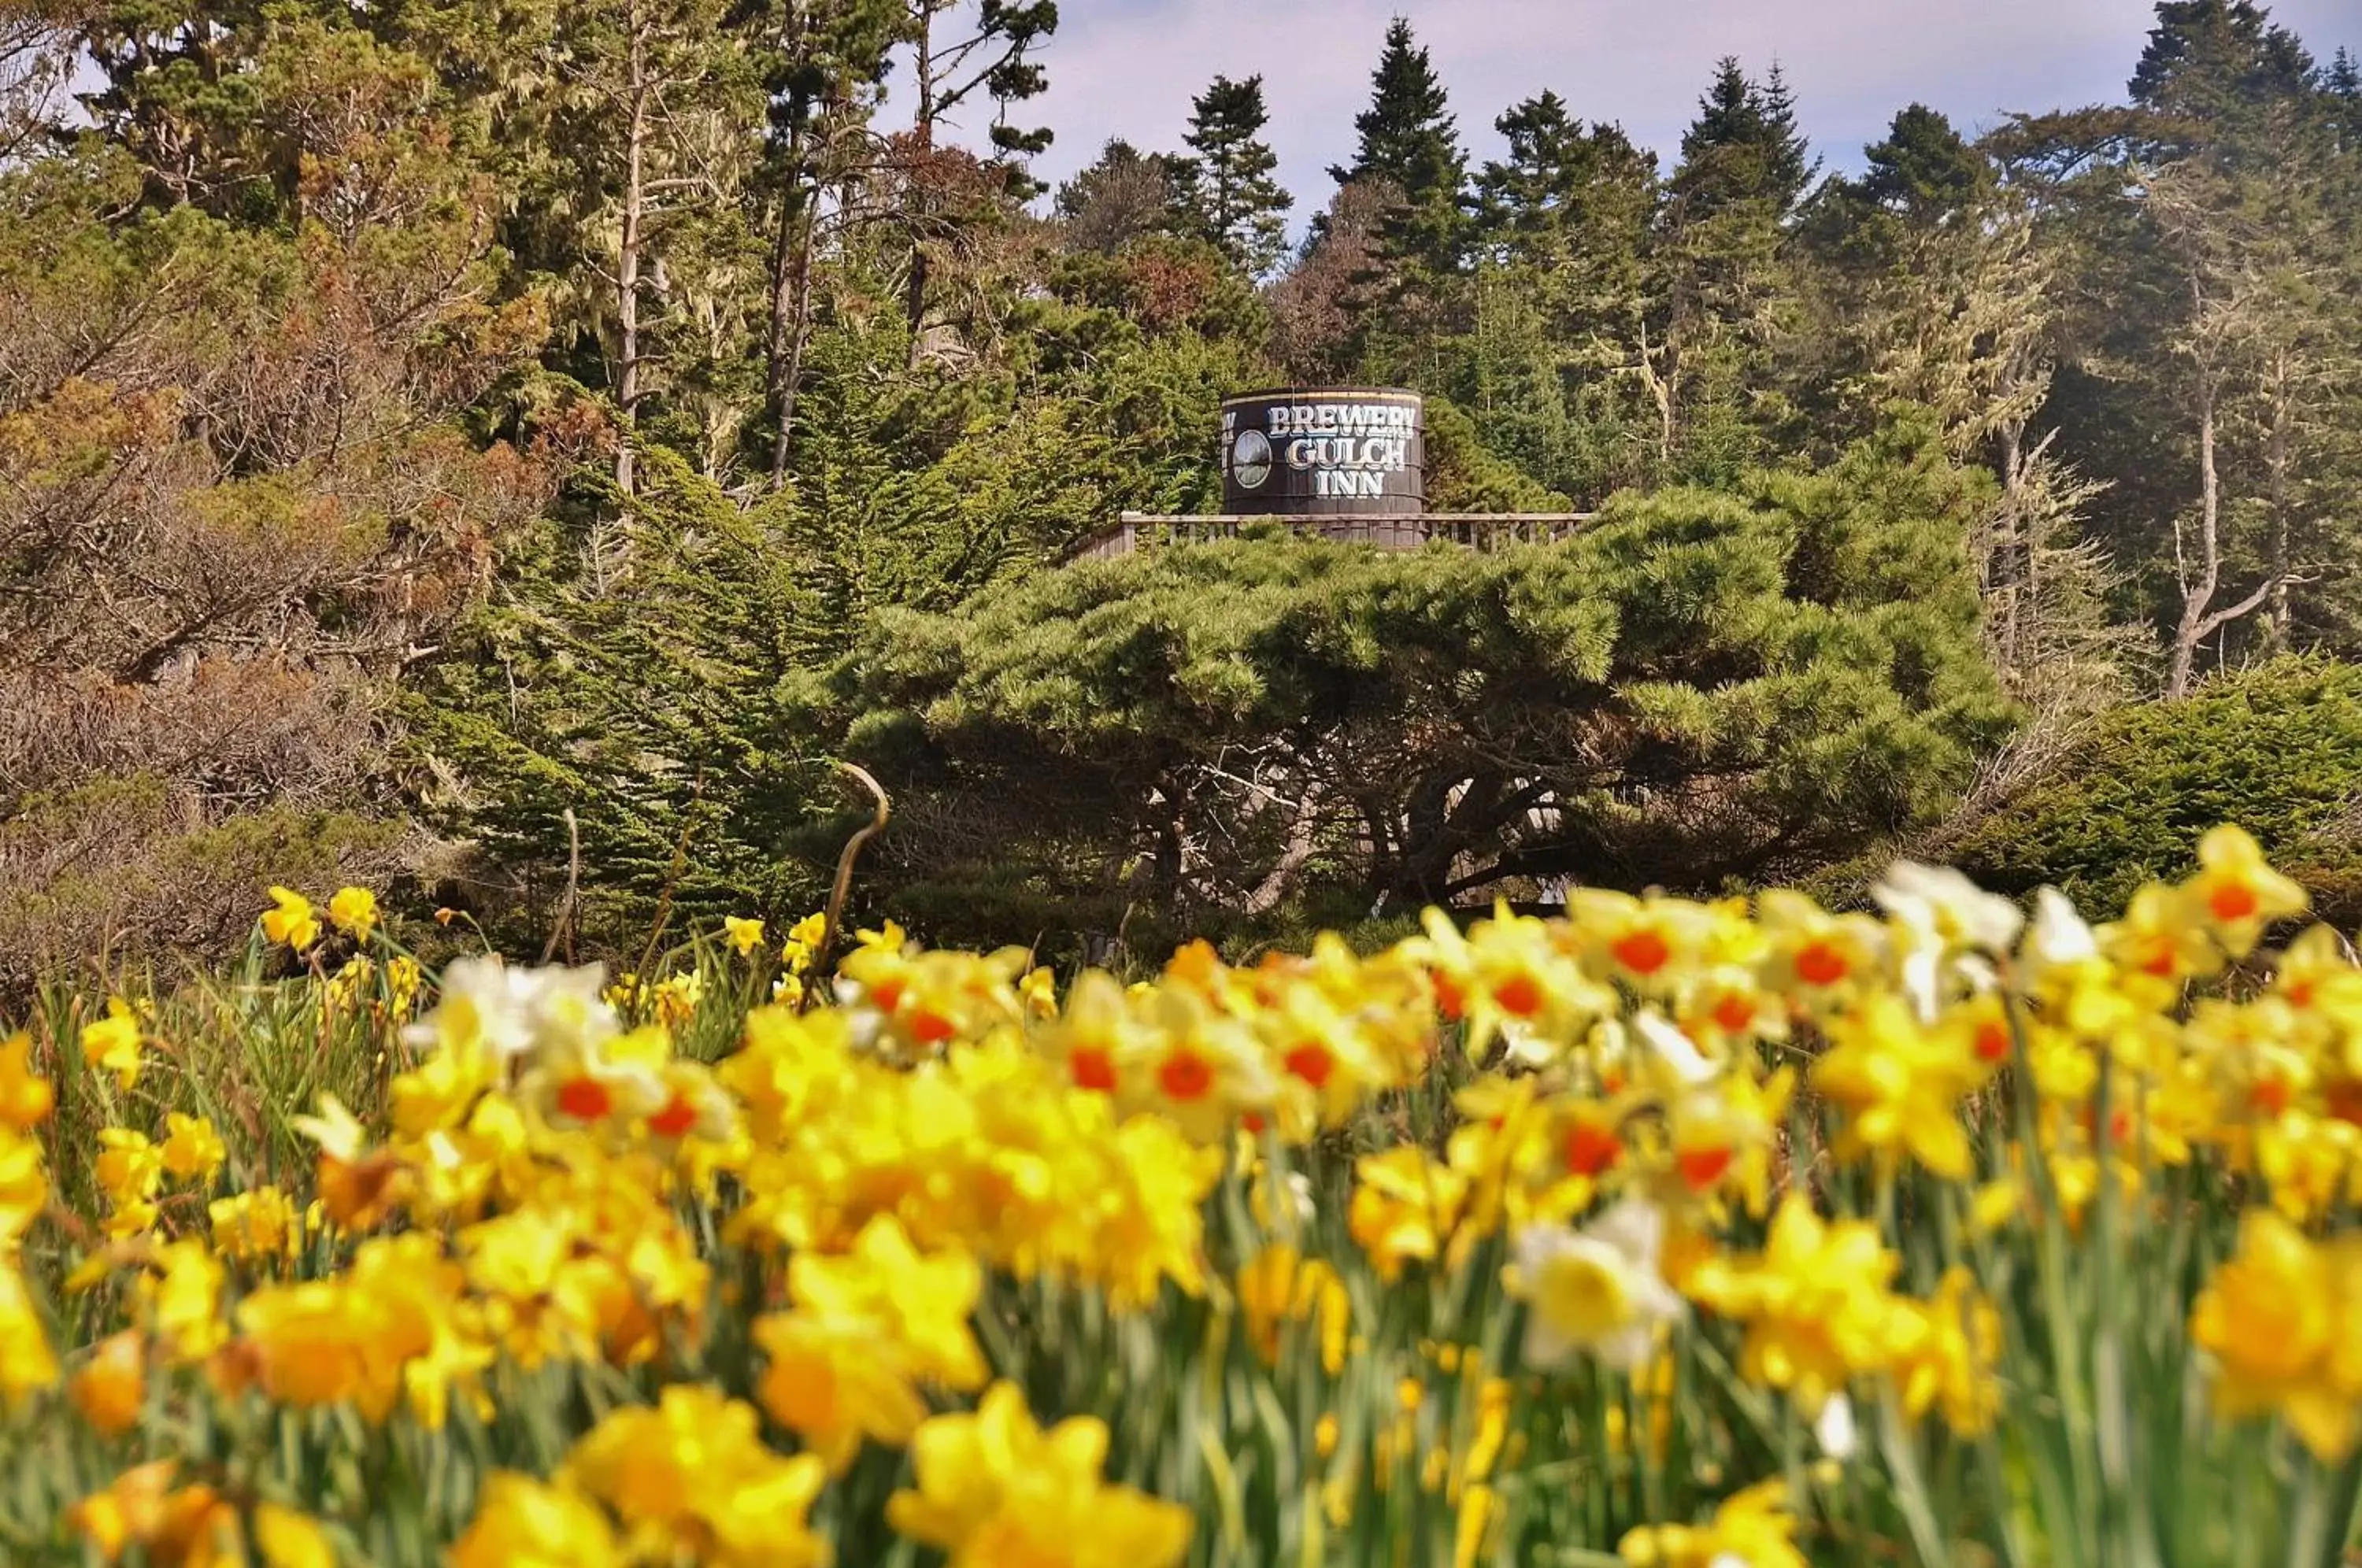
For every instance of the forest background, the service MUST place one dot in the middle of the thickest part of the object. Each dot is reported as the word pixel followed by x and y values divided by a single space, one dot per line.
pixel 510 452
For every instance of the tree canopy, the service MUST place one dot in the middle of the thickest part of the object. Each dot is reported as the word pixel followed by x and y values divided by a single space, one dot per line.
pixel 421 422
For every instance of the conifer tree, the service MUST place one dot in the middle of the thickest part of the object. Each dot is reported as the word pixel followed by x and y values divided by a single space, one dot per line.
pixel 1122 195
pixel 1925 169
pixel 1744 147
pixel 1562 234
pixel 997 59
pixel 1730 300
pixel 2341 89
pixel 2216 59
pixel 1410 143
pixel 1236 202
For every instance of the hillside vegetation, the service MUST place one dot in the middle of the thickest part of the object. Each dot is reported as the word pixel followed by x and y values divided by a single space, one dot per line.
pixel 512 454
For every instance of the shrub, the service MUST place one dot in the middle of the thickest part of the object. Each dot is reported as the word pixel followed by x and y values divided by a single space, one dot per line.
pixel 2277 748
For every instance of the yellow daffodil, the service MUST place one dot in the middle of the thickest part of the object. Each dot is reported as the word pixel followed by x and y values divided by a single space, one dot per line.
pixel 27 1363
pixel 25 1097
pixel 2282 1320
pixel 259 1223
pixel 524 1523
pixel 289 920
pixel 1900 1084
pixel 993 1488
pixel 1815 1302
pixel 191 1150
pixel 1404 1207
pixel 917 1305
pixel 1754 1527
pixel 692 1471
pixel 112 1043
pixel 352 911
pixel 1949 1355
pixel 285 1539
pixel 111 1387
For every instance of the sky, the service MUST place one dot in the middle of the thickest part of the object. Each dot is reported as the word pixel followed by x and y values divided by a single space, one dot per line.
pixel 1128 68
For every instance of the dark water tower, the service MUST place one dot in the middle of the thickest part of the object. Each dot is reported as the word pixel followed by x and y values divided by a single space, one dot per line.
pixel 1345 464
pixel 1324 452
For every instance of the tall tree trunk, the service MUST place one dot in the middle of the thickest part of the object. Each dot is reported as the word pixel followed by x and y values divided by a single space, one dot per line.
pixel 2199 620
pixel 790 290
pixel 627 262
pixel 2004 583
pixel 2196 597
pixel 2278 456
pixel 914 300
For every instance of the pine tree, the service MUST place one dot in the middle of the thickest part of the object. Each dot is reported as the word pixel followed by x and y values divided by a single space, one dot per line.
pixel 1744 146
pixel 1237 202
pixel 651 87
pixel 1730 298
pixel 1925 169
pixel 1820 666
pixel 1561 233
pixel 995 58
pixel 2217 59
pixel 1789 165
pixel 823 64
pixel 1535 188
pixel 2341 89
pixel 1410 143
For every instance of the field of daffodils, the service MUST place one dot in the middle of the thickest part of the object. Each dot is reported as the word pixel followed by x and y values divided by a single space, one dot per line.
pixel 1665 1233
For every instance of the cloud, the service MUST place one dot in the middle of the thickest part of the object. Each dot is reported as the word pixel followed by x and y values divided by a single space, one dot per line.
pixel 1128 68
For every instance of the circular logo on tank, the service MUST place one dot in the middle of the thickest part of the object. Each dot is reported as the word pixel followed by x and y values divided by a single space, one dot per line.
pixel 1251 459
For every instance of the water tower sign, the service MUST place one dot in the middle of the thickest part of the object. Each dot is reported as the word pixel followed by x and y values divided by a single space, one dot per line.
pixel 1324 451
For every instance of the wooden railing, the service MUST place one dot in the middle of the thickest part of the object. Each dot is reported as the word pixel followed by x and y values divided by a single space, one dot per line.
pixel 1476 530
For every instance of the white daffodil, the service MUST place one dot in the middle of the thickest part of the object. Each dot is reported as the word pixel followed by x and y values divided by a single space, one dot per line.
pixel 1834 1428
pixel 1597 1289
pixel 1677 1051
pixel 508 1012
pixel 2058 938
pixel 1523 1045
pixel 1943 907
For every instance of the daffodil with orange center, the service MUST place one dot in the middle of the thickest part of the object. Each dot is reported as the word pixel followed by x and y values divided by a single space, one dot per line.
pixel 1819 961
pixel 2235 892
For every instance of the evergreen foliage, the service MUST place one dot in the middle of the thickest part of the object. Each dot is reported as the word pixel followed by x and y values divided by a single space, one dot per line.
pixel 1409 145
pixel 1237 202
pixel 1744 147
pixel 494 410
pixel 2277 748
pixel 1125 195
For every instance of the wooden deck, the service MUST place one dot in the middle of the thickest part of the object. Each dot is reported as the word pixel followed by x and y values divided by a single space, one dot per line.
pixel 1475 530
